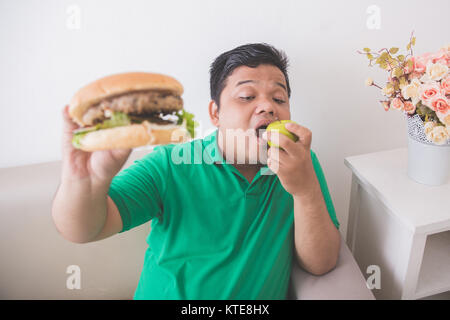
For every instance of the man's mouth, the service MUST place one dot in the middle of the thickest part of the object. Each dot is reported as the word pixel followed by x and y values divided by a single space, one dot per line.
pixel 260 130
pixel 261 127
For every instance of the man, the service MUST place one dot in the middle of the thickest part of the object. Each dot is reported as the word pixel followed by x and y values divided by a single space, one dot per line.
pixel 227 226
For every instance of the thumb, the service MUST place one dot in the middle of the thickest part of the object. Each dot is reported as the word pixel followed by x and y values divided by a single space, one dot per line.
pixel 120 155
pixel 69 124
pixel 68 127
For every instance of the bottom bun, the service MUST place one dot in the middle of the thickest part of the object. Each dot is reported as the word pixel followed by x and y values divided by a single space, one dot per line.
pixel 133 136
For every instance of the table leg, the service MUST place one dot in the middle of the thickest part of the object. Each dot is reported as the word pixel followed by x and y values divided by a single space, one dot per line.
pixel 353 212
pixel 413 267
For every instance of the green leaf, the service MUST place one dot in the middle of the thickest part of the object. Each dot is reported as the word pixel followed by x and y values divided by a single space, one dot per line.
pixel 409 64
pixel 401 58
pixel 398 72
pixel 402 80
pixel 366 49
pixel 423 110
pixel 393 62
pixel 117 119
pixel 79 134
pixel 76 140
pixel 393 50
pixel 191 124
pixel 408 46
pixel 370 56
pixel 413 41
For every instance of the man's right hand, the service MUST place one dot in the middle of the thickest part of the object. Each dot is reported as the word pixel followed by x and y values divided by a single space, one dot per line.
pixel 99 167
pixel 82 210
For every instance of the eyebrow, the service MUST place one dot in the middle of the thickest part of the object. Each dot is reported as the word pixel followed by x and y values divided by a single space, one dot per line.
pixel 246 81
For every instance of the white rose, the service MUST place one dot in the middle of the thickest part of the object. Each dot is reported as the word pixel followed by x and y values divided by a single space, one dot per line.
pixel 444 117
pixel 438 135
pixel 387 91
pixel 411 91
pixel 436 71
pixel 428 127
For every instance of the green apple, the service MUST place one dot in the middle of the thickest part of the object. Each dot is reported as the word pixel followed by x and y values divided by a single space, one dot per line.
pixel 279 126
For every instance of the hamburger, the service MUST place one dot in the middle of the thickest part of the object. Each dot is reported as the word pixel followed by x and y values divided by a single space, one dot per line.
pixel 129 110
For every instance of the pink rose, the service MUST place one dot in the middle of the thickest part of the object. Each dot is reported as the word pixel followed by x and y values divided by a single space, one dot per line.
pixel 428 91
pixel 427 56
pixel 445 86
pixel 397 104
pixel 420 62
pixel 415 75
pixel 439 104
pixel 409 107
pixel 440 56
pixel 420 66
pixel 442 61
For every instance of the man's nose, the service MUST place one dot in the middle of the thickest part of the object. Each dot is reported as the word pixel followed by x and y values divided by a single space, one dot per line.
pixel 266 105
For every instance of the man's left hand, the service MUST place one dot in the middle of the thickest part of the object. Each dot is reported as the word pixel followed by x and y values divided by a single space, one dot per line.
pixel 292 164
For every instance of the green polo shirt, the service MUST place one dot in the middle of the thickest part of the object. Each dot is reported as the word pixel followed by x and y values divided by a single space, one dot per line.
pixel 213 234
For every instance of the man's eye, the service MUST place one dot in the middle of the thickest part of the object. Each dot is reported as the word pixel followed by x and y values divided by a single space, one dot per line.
pixel 247 98
pixel 278 100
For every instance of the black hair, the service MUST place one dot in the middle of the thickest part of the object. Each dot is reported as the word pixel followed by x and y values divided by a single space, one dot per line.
pixel 250 55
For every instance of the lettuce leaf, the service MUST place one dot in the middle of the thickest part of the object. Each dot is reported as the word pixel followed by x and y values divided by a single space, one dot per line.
pixel 76 139
pixel 191 124
pixel 121 119
pixel 117 119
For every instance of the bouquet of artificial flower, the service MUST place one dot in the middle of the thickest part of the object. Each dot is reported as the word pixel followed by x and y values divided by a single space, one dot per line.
pixel 417 85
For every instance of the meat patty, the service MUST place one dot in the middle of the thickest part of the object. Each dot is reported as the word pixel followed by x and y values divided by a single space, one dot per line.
pixel 137 103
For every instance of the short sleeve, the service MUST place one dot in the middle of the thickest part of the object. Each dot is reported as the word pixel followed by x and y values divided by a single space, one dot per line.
pixel 324 188
pixel 138 190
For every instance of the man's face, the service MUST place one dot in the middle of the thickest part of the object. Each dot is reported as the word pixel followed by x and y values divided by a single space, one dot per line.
pixel 251 95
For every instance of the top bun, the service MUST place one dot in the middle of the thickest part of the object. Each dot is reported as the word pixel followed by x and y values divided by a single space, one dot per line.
pixel 117 84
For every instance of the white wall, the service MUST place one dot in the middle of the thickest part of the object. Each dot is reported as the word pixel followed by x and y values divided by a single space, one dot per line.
pixel 43 61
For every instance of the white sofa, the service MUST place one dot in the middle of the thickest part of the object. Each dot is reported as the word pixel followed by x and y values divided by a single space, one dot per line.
pixel 34 258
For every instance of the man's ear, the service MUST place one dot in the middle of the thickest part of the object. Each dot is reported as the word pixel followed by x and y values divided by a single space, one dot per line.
pixel 213 113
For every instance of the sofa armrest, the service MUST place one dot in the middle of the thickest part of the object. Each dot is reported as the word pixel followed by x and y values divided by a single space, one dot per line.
pixel 344 282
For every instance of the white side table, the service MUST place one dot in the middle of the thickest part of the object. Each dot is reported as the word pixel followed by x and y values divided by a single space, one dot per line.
pixel 399 225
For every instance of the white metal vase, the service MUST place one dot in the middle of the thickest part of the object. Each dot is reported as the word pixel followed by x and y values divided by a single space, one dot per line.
pixel 428 163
